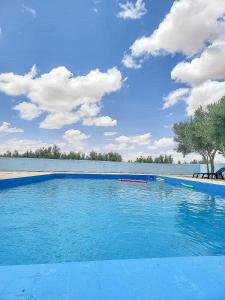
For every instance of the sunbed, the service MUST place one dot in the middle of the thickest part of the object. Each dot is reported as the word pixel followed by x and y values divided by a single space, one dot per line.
pixel 218 174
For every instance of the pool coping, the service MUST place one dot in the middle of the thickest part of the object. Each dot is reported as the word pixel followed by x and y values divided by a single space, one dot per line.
pixel 155 278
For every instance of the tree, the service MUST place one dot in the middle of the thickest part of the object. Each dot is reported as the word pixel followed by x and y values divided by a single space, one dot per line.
pixel 217 119
pixel 55 153
pixel 197 135
pixel 142 159
pixel 166 159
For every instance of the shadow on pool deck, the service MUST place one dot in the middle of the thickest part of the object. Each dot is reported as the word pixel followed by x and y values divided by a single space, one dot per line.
pixel 138 279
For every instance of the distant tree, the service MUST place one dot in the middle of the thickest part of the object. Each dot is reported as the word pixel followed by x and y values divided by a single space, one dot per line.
pixel 8 153
pixel 142 159
pixel 15 153
pixel 55 153
pixel 166 159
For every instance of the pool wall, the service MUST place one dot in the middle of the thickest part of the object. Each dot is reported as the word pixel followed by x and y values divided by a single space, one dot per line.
pixel 206 187
pixel 14 182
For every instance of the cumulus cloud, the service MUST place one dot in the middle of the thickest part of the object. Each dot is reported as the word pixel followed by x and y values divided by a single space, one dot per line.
pixel 143 139
pixel 209 65
pixel 187 28
pixel 22 145
pixel 200 95
pixel 65 98
pixel 162 143
pixel 204 94
pixel 119 147
pixel 196 29
pixel 110 133
pixel 6 128
pixel 131 10
pixel 175 96
pixel 72 140
pixel 130 62
pixel 30 10
pixel 124 143
pixel 28 111
pixel 75 139
pixel 100 121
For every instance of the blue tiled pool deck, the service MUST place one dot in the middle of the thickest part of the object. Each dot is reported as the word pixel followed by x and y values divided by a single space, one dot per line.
pixel 182 278
pixel 141 279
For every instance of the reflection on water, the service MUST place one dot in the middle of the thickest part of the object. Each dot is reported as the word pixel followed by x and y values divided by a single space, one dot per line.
pixel 80 219
pixel 202 218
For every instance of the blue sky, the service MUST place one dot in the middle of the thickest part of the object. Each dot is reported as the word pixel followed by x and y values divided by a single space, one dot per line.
pixel 120 106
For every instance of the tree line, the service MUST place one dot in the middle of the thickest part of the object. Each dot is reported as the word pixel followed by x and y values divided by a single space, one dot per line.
pixel 203 133
pixel 54 152
pixel 162 159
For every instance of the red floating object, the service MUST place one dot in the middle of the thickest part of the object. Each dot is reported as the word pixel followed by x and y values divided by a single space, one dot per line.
pixel 134 181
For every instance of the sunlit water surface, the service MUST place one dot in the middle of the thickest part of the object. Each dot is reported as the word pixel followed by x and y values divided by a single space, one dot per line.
pixel 78 220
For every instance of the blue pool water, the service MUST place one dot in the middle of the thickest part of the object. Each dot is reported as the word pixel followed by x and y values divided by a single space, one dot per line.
pixel 91 219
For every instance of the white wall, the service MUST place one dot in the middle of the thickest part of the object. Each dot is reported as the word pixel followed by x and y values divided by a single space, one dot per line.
pixel 32 164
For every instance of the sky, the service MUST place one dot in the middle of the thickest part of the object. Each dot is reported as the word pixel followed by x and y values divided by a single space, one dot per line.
pixel 107 75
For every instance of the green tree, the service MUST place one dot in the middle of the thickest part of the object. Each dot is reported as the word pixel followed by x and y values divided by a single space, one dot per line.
pixel 217 119
pixel 197 135
pixel 55 153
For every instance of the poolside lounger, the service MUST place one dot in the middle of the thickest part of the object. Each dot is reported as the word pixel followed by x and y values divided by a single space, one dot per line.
pixel 218 174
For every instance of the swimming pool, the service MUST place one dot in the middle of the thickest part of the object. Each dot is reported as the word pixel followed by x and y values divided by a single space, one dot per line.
pixel 64 220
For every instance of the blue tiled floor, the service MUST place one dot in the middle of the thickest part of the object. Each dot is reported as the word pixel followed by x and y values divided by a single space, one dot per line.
pixel 141 279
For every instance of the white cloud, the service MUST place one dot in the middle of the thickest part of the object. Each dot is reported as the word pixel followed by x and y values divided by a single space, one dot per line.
pixel 209 65
pixel 119 147
pixel 28 111
pixel 130 62
pixel 72 140
pixel 164 142
pixel 110 133
pixel 200 95
pixel 195 28
pixel 131 10
pixel 6 128
pixel 0 32
pixel 100 121
pixel 204 94
pixel 65 98
pixel 125 143
pixel 22 145
pixel 143 139
pixel 175 96
pixel 179 156
pixel 30 10
pixel 187 28
pixel 75 139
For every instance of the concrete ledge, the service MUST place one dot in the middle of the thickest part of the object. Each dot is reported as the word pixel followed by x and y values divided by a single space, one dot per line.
pixel 190 178
pixel 141 279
